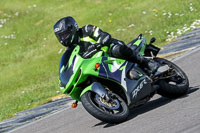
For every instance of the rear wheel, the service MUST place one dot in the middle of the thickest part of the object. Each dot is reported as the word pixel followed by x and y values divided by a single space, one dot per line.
pixel 113 111
pixel 175 83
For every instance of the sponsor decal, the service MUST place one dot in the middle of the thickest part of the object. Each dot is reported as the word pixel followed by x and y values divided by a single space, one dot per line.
pixel 139 87
pixel 76 26
pixel 56 30
pixel 93 28
pixel 96 32
pixel 120 42
pixel 86 28
pixel 105 39
pixel 60 27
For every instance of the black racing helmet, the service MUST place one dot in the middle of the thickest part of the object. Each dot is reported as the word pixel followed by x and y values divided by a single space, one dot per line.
pixel 65 30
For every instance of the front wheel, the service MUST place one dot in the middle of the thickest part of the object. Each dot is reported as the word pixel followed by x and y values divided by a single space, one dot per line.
pixel 175 83
pixel 113 111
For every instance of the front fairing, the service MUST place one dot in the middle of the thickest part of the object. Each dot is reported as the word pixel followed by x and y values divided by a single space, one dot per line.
pixel 64 71
pixel 77 69
pixel 112 68
pixel 69 69
pixel 117 70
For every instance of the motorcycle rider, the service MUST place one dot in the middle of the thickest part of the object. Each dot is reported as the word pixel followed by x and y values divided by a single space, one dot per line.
pixel 91 38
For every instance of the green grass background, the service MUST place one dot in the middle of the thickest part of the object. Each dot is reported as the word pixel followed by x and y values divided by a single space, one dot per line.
pixel 29 62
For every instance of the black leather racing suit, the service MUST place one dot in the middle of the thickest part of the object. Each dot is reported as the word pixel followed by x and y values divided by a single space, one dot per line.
pixel 89 36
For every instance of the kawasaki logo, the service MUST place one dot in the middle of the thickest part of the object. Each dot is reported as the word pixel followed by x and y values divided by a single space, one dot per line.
pixel 139 87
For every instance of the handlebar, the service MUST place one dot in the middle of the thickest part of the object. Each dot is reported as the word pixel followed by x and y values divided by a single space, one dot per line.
pixel 90 52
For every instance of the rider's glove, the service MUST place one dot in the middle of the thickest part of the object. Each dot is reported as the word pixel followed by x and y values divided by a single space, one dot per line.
pixel 92 49
pixel 96 46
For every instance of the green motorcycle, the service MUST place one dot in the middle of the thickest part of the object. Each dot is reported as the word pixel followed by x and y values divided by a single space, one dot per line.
pixel 108 87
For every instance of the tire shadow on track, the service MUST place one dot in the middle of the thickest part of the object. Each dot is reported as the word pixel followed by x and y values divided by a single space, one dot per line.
pixel 151 105
pixel 192 89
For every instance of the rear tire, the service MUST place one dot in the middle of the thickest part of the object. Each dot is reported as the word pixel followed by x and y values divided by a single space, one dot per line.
pixel 104 114
pixel 179 87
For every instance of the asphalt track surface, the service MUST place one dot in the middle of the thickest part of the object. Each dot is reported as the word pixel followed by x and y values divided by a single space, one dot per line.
pixel 160 115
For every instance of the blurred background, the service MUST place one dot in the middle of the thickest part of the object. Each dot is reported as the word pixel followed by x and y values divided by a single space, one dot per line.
pixel 30 52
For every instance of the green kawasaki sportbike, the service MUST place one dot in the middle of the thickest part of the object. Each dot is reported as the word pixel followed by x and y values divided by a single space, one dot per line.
pixel 108 87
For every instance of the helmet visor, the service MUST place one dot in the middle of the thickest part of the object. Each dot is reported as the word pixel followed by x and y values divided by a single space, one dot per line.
pixel 64 36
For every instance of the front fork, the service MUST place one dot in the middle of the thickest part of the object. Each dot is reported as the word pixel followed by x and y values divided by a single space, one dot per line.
pixel 97 88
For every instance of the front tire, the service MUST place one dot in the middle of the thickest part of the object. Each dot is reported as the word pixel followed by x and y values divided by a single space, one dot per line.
pixel 105 111
pixel 175 86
